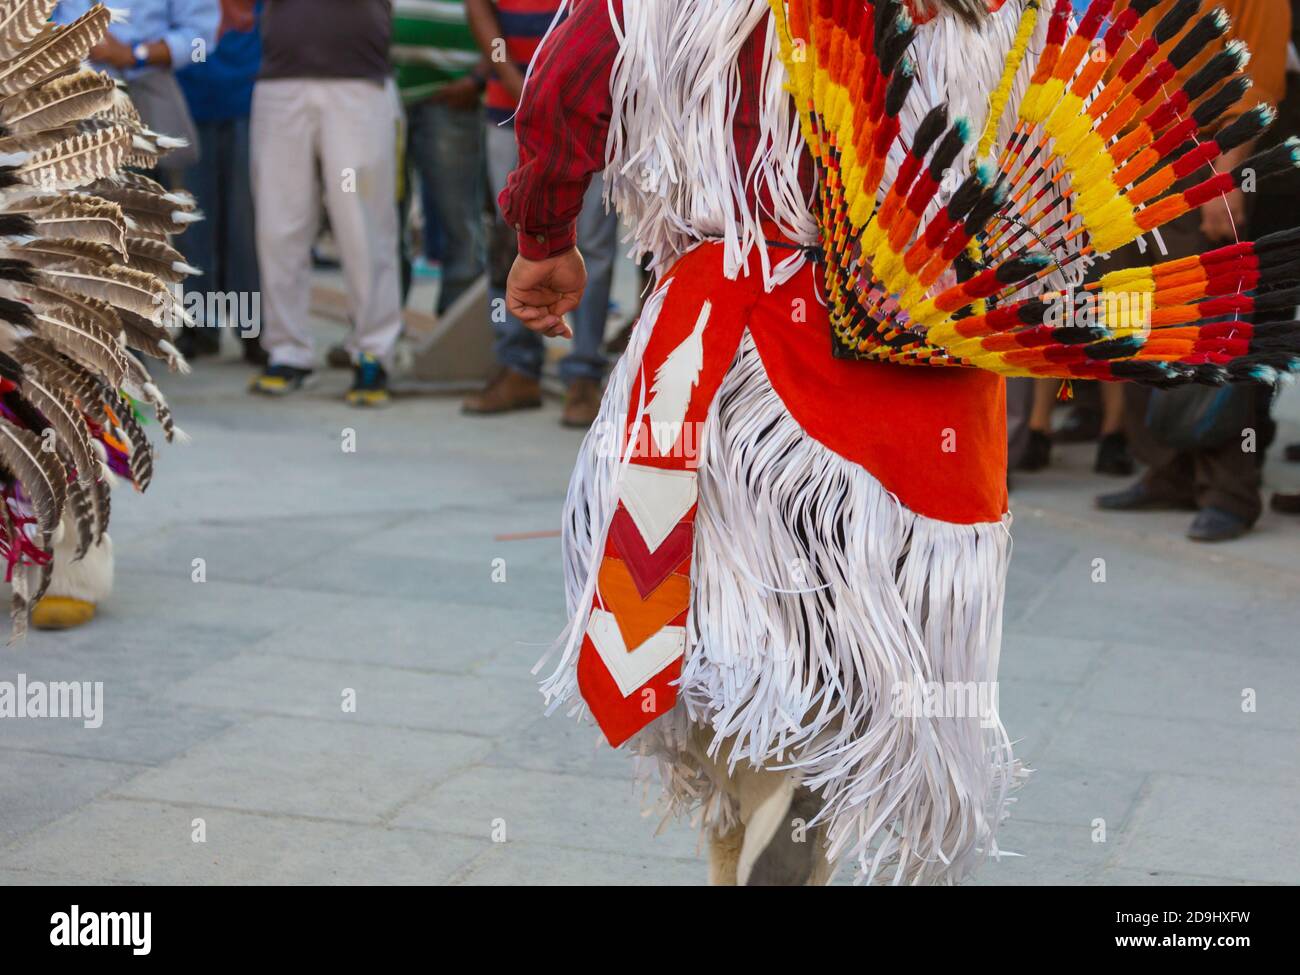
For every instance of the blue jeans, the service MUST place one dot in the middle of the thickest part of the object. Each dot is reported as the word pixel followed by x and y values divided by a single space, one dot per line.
pixel 223 245
pixel 445 148
pixel 518 348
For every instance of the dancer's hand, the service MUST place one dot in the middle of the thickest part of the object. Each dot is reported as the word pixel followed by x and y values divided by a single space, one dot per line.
pixel 539 293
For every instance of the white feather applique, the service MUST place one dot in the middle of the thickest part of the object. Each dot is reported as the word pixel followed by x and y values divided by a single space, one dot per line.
pixel 674 381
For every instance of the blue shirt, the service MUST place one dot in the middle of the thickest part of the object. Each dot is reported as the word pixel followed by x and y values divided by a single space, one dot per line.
pixel 180 23
pixel 221 87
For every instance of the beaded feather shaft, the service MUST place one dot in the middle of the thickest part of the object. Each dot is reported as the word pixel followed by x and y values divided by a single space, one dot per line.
pixel 946 244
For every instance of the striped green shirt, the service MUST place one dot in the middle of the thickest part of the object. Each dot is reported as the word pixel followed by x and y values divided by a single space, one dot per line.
pixel 432 45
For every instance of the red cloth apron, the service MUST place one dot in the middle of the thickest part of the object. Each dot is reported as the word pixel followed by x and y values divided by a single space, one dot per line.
pixel 936 438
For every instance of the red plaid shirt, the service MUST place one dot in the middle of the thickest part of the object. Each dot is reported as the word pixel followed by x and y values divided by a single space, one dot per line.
pixel 564 121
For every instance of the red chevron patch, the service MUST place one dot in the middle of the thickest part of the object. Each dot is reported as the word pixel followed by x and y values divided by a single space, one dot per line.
pixel 649 569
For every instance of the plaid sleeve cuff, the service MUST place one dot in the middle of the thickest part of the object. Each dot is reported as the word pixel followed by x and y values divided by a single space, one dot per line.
pixel 539 245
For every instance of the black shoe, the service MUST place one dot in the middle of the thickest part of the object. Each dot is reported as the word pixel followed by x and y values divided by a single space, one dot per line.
pixel 253 352
pixel 1138 497
pixel 1038 452
pixel 1286 504
pixel 1292 453
pixel 369 384
pixel 1083 424
pixel 191 343
pixel 1216 525
pixel 1113 456
pixel 279 380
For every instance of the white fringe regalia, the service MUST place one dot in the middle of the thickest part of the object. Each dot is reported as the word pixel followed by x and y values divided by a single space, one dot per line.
pixel 816 593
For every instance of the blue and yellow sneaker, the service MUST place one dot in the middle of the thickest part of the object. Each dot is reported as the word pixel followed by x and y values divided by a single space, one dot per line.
pixel 279 380
pixel 369 383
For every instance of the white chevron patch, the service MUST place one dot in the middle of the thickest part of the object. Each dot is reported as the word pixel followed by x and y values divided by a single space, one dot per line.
pixel 631 670
pixel 656 499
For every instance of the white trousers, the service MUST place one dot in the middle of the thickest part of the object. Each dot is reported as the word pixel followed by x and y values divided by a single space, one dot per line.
pixel 342 136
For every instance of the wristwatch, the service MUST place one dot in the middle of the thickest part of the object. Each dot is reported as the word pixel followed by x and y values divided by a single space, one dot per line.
pixel 141 52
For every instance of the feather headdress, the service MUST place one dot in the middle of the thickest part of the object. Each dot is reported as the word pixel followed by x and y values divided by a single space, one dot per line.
pixel 1106 145
pixel 85 271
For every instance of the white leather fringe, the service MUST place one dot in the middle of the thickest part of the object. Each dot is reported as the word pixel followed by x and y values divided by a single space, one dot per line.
pixel 671 168
pixel 815 594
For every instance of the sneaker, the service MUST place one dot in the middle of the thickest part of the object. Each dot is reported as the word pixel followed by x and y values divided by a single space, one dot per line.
pixel 61 613
pixel 509 390
pixel 280 380
pixel 581 404
pixel 1113 457
pixel 369 384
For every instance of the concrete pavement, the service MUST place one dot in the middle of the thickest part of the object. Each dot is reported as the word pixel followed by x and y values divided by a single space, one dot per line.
pixel 405 578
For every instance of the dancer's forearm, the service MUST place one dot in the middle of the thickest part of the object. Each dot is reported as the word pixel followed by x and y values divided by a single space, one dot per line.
pixel 562 126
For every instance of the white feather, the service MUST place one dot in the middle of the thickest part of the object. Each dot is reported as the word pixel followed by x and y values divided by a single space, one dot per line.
pixel 674 381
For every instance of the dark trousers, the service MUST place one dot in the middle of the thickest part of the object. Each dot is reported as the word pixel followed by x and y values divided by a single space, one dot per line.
pixel 222 245
pixel 1226 477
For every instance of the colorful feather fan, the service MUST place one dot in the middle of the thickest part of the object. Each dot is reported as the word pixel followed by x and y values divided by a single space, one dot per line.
pixel 1104 150
pixel 85 271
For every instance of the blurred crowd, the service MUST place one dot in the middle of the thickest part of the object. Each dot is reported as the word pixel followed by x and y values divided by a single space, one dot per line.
pixel 381 128
pixel 1200 449
pixel 385 127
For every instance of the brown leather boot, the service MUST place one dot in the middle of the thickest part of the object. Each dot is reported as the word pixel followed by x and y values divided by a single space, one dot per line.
pixel 1286 504
pixel 508 390
pixel 581 404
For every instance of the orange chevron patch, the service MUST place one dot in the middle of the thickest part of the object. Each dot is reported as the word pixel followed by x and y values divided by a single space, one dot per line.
pixel 639 619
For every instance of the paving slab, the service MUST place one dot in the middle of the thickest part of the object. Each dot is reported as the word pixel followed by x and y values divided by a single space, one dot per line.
pixel 322 769
pixel 379 569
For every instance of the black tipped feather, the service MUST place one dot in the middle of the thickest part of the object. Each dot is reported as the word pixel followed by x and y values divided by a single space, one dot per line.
pixel 1172 23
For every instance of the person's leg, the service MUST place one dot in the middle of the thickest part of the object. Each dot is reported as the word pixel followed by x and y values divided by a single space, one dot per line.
pixel 772 844
pixel 1169 472
pixel 449 158
pixel 518 351
pixel 517 348
pixel 584 367
pixel 411 178
pixel 199 242
pixel 286 207
pixel 1038 450
pixel 598 244
pixel 238 242
pixel 1020 401
pixel 1112 449
pixel 1227 483
pixel 359 134
pixel 1167 481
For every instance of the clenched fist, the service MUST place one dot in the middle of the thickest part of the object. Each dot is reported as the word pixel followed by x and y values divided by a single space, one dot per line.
pixel 539 293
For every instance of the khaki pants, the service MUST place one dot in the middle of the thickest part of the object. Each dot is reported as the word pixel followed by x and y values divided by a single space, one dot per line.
pixel 342 134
